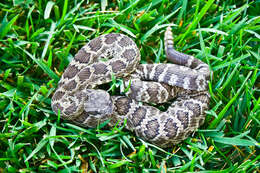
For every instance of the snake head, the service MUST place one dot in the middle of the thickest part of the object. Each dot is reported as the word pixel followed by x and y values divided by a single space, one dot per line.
pixel 98 103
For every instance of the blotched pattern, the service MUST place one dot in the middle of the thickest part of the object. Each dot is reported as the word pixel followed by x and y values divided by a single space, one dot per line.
pixel 186 80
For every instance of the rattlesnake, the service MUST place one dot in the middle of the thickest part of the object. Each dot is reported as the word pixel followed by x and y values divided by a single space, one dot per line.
pixel 116 55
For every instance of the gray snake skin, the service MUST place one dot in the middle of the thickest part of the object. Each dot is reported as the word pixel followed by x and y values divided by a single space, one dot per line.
pixel 185 81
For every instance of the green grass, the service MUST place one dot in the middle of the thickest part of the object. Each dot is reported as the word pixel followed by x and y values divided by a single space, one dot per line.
pixel 38 39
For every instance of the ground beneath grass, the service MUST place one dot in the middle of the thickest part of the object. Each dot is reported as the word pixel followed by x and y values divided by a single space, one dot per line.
pixel 38 39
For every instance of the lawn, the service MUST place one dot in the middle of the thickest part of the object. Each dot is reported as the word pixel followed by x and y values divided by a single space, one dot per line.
pixel 38 39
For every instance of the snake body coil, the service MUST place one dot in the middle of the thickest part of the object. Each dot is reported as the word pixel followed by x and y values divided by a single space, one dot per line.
pixel 186 80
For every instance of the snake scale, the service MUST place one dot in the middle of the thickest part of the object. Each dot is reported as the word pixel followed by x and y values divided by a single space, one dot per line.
pixel 185 81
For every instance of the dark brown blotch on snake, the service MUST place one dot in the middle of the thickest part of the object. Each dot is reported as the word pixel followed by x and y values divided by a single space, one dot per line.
pixel 82 56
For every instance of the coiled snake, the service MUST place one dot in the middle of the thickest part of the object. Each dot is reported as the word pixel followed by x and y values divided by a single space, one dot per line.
pixel 186 81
